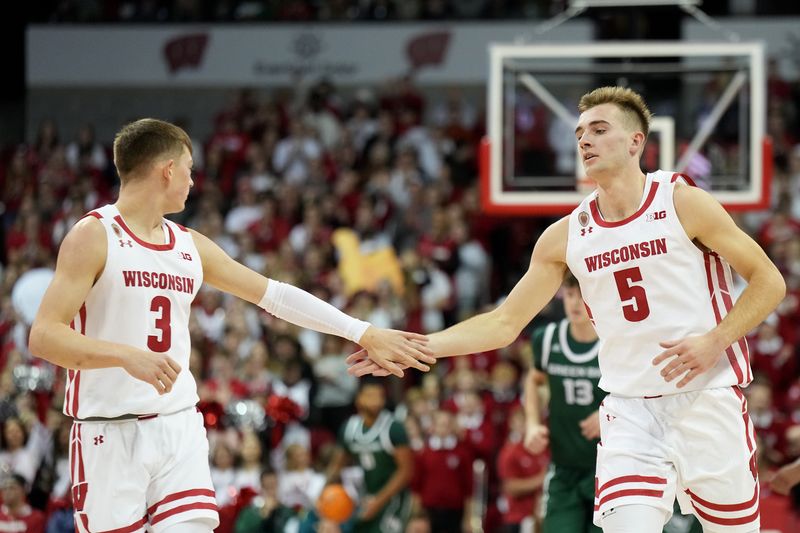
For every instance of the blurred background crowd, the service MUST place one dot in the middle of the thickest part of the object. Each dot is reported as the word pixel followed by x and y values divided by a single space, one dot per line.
pixel 368 199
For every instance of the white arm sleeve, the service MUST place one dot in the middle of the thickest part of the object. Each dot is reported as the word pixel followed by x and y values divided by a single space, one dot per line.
pixel 306 310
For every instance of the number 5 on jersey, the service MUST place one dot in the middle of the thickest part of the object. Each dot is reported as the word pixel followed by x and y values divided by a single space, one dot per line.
pixel 634 298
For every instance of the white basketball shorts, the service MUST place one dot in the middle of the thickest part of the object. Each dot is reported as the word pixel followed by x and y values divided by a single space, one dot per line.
pixel 697 446
pixel 141 475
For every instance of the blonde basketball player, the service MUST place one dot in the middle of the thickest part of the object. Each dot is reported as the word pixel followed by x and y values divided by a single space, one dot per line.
pixel 116 315
pixel 651 254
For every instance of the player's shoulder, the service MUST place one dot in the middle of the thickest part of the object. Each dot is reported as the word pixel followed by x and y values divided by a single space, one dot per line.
pixel 86 231
pixel 554 238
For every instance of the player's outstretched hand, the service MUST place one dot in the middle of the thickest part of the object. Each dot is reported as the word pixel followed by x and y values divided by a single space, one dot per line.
pixel 157 369
pixel 537 437
pixel 394 350
pixel 689 357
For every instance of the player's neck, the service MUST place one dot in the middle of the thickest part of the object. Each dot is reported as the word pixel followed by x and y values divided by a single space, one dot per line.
pixel 141 210
pixel 620 197
pixel 368 419
pixel 582 331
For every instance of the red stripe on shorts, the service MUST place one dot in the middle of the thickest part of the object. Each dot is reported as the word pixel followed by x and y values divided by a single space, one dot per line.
pixel 179 496
pixel 182 509
pixel 628 492
pixel 725 507
pixel 727 521
pixel 632 479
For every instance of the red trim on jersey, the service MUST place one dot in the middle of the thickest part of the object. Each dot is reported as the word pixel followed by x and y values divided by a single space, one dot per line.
pixel 94 214
pixel 689 181
pixel 598 219
pixel 76 385
pixel 712 294
pixel 180 495
pixel 726 507
pixel 589 314
pixel 136 526
pixel 158 247
pixel 182 509
pixel 727 521
pixel 728 303
pixel 74 376
pixel 631 479
pixel 181 227
pixel 653 493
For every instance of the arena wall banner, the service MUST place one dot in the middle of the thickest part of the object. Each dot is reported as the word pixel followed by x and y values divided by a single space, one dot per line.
pixel 270 55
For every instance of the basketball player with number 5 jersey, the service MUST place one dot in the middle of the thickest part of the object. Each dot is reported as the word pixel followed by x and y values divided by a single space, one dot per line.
pixel 116 316
pixel 651 255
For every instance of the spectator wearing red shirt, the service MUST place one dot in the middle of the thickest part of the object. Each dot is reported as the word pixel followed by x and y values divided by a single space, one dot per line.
pixel 443 476
pixel 522 476
pixel 477 427
pixel 15 513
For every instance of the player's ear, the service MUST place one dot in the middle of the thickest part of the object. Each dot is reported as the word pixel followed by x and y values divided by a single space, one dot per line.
pixel 637 142
pixel 167 169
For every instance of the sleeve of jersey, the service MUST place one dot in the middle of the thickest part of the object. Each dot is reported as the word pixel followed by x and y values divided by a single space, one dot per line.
pixel 537 339
pixel 397 434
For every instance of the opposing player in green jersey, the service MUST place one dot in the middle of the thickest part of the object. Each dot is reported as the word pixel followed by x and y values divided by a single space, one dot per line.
pixel 379 444
pixel 565 355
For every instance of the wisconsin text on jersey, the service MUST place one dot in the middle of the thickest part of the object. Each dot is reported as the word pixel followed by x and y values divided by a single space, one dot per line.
pixel 158 280
pixel 626 253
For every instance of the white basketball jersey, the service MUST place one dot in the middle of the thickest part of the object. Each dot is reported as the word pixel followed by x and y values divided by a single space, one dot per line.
pixel 142 299
pixel 643 282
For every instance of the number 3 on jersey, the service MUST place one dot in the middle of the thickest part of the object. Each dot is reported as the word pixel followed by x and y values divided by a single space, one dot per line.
pixel 162 306
pixel 634 299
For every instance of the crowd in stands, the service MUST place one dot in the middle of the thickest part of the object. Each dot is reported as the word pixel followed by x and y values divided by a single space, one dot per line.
pixel 148 11
pixel 371 203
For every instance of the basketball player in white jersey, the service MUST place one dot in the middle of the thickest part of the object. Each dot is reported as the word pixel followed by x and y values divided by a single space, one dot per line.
pixel 116 315
pixel 651 254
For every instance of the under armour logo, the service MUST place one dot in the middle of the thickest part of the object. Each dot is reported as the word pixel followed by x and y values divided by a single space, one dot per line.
pixel 98 440
pixel 584 231
pixel 123 244
pixel 610 417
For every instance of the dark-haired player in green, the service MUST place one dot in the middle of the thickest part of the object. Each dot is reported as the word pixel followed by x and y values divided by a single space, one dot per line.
pixel 379 444
pixel 565 356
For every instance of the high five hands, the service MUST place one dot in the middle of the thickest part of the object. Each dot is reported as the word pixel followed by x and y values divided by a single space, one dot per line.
pixel 389 351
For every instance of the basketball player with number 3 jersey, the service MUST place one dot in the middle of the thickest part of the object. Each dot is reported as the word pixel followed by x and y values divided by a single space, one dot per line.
pixel 116 316
pixel 651 255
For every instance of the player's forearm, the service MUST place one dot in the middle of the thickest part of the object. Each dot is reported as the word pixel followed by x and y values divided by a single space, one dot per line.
pixel 481 333
pixel 396 483
pixel 531 405
pixel 764 292
pixel 65 347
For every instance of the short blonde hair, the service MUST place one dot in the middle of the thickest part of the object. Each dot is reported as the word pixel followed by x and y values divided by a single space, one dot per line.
pixel 630 102
pixel 144 141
